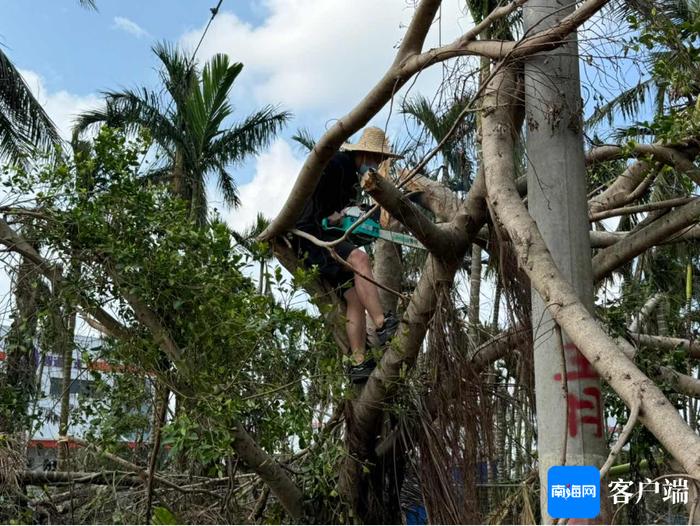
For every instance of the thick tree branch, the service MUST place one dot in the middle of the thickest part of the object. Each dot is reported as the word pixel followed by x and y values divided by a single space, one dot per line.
pixel 16 243
pixel 631 246
pixel 343 128
pixel 641 317
pixel 418 29
pixel 665 154
pixel 600 239
pixel 667 343
pixel 434 238
pixel 271 472
pixel 657 413
pixel 147 318
pixel 555 36
pixel 433 196
pixel 109 478
pixel 682 383
pixel 104 322
pixel 619 192
pixel 627 210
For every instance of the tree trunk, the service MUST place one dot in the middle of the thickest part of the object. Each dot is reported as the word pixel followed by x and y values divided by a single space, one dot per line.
pixel 475 292
pixel 17 381
pixel 497 304
pixel 558 203
pixel 179 184
pixel 64 330
pixel 501 411
pixel 388 270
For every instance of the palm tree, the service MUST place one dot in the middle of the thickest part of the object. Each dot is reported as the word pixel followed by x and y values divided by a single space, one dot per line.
pixel 186 125
pixel 24 125
pixel 455 151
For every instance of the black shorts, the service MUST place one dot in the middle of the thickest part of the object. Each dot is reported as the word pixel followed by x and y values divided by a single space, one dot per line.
pixel 330 269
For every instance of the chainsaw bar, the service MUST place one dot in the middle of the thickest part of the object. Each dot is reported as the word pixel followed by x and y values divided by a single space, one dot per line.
pixel 369 230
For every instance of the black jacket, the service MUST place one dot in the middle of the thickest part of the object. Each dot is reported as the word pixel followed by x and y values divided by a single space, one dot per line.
pixel 337 188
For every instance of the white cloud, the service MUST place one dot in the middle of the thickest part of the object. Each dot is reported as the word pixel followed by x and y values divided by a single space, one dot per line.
pixel 275 173
pixel 317 54
pixel 61 106
pixel 129 26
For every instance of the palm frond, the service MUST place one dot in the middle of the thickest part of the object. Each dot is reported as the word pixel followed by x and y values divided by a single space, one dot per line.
pixel 89 4
pixel 190 127
pixel 131 111
pixel 637 131
pixel 12 145
pixel 249 137
pixel 209 105
pixel 253 230
pixel 438 125
pixel 422 111
pixel 304 138
pixel 180 74
pixel 228 187
pixel 629 104
pixel 32 127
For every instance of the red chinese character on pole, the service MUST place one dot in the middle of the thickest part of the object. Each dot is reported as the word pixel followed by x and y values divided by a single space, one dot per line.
pixel 582 368
pixel 575 405
pixel 588 408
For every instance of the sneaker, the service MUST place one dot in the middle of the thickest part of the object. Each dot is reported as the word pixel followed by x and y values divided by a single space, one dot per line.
pixel 387 331
pixel 359 373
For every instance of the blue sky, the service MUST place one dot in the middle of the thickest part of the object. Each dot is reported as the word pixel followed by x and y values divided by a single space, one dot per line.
pixel 314 58
pixel 83 51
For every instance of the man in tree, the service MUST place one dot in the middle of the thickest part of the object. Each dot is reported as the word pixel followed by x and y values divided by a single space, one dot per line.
pixel 338 188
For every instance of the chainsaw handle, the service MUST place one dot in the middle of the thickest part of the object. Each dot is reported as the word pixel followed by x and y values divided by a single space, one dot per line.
pixel 327 225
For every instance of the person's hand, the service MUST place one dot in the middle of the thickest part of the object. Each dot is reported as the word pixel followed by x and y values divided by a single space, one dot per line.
pixel 335 218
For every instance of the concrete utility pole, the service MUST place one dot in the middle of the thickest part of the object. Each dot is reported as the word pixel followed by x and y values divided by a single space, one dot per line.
pixel 557 201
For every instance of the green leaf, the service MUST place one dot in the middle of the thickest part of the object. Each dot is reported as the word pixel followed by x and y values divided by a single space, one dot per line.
pixel 163 515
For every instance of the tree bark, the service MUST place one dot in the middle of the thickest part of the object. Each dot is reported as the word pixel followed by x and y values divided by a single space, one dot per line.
pixel 640 319
pixel 387 271
pixel 657 413
pixel 601 239
pixel 17 380
pixel 631 246
pixel 667 343
pixel 475 291
pixel 64 329
pixel 271 472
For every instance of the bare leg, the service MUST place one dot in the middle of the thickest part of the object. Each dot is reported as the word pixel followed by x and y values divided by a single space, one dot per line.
pixel 355 325
pixel 366 291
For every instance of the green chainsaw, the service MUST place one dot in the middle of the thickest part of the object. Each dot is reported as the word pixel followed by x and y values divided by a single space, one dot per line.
pixel 369 230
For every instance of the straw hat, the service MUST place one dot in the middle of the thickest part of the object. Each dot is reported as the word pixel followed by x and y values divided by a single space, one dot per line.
pixel 372 140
